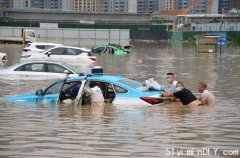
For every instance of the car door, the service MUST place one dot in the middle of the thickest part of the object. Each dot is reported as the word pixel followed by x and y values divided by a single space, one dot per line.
pixel 50 94
pixel 78 100
pixel 56 70
pixel 56 54
pixel 31 71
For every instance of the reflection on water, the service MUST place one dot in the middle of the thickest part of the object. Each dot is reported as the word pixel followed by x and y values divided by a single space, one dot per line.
pixel 30 130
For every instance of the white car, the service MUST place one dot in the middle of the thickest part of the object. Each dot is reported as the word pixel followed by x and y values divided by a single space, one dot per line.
pixel 3 57
pixel 67 54
pixel 38 70
pixel 36 47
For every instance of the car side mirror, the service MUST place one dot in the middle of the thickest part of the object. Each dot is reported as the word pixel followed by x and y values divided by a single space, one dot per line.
pixel 67 72
pixel 38 36
pixel 48 54
pixel 39 92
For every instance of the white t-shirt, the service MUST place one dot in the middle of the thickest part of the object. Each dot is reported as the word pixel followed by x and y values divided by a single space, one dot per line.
pixel 173 86
pixel 95 93
pixel 208 97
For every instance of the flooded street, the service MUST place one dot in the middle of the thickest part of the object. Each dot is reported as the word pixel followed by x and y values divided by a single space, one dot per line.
pixel 168 130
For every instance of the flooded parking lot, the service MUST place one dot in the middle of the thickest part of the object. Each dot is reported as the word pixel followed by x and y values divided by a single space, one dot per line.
pixel 30 130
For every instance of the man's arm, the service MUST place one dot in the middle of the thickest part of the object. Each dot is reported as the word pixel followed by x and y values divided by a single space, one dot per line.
pixel 167 95
pixel 88 90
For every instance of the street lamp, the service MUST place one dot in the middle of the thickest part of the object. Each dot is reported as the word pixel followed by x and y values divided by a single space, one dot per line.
pixel 221 36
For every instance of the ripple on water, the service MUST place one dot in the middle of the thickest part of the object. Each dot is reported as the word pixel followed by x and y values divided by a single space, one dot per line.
pixel 30 130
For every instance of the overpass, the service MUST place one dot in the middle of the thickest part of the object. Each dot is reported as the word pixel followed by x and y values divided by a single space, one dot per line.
pixel 57 16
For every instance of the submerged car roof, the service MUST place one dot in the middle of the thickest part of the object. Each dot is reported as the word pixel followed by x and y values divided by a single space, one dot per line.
pixel 106 78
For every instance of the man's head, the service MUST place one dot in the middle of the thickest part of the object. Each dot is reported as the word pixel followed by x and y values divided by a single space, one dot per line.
pixel 170 77
pixel 78 84
pixel 202 86
pixel 179 86
pixel 92 84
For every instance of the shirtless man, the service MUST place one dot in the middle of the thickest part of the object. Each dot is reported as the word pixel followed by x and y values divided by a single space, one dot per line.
pixel 206 98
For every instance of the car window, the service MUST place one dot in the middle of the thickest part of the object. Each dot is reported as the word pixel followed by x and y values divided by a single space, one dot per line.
pixel 110 50
pixel 72 51
pixel 40 46
pixel 55 68
pixel 99 50
pixel 58 51
pixel 68 85
pixel 31 34
pixel 21 68
pixel 47 47
pixel 131 83
pixel 27 45
pixel 54 88
pixel 119 89
pixel 32 67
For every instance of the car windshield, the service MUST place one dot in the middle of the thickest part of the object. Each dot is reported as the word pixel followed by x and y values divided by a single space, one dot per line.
pixel 72 68
pixel 131 83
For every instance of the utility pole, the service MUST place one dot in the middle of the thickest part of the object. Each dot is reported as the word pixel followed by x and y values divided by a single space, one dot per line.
pixel 221 36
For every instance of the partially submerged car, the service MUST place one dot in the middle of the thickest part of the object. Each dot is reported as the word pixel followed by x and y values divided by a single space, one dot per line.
pixel 67 54
pixel 38 70
pixel 110 48
pixel 37 47
pixel 117 90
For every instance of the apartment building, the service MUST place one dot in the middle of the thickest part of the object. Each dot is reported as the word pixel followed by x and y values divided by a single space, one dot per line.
pixel 67 5
pixel 237 4
pixel 226 5
pixel 3 4
pixel 85 5
pixel 42 4
pixel 170 4
pixel 147 6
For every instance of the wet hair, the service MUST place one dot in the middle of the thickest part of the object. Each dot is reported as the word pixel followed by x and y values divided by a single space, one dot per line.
pixel 203 84
pixel 170 73
pixel 181 84
pixel 92 84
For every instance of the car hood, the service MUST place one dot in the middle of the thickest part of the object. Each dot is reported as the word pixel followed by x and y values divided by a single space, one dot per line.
pixel 23 97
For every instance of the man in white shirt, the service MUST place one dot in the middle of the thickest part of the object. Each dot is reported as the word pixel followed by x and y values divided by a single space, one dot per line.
pixel 171 80
pixel 95 94
pixel 206 98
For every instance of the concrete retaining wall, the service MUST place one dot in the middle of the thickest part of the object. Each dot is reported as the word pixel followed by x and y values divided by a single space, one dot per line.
pixel 77 37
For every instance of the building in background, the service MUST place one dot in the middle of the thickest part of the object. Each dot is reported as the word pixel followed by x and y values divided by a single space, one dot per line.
pixel 85 5
pixel 67 5
pixel 170 4
pixel 226 5
pixel 132 6
pixel 16 3
pixel 127 6
pixel 161 5
pixel 3 4
pixel 199 6
pixel 41 4
pixel 237 4
pixel 147 6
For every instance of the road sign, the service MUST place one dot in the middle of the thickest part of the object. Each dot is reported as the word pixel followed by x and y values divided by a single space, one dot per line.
pixel 222 40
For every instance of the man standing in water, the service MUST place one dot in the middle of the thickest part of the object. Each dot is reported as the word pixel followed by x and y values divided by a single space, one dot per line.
pixel 206 98
pixel 171 80
pixel 184 94
pixel 95 93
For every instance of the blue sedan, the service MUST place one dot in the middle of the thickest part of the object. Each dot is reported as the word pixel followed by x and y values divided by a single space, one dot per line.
pixel 117 90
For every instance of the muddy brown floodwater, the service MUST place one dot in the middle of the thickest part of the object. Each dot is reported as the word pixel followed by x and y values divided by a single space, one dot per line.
pixel 29 130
